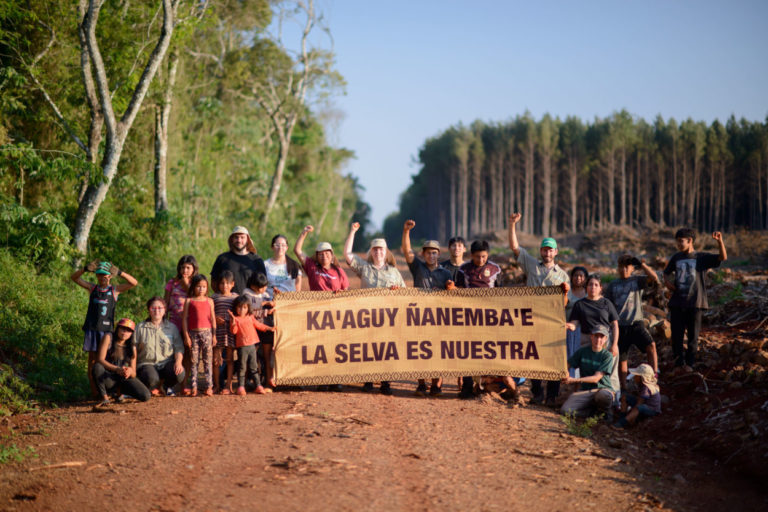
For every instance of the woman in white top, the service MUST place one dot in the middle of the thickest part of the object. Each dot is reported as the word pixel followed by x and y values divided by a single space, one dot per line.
pixel 283 273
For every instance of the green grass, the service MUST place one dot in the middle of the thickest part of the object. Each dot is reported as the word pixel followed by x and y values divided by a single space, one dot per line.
pixel 577 427
pixel 734 294
pixel 10 452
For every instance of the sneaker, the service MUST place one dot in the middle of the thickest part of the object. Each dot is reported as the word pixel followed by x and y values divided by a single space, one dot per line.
pixel 260 390
pixel 170 392
pixel 241 391
pixel 368 387
pixel 421 390
pixel 386 388
pixel 435 390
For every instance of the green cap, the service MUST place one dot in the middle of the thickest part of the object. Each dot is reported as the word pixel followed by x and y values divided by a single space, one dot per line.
pixel 103 269
pixel 549 242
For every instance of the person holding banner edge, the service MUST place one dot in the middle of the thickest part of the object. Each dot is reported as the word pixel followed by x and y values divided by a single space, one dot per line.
pixel 544 272
pixel 429 275
pixel 378 271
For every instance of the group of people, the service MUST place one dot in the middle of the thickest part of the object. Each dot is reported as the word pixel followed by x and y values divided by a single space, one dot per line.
pixel 190 324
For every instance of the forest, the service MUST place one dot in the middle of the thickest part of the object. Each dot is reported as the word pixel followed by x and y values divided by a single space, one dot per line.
pixel 137 131
pixel 571 175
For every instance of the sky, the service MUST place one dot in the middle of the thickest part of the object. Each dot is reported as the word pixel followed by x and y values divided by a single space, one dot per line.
pixel 414 68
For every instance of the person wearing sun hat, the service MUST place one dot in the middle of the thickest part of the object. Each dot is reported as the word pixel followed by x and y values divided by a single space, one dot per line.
pixel 427 274
pixel 378 271
pixel 241 260
pixel 322 269
pixel 115 367
pixel 544 272
pixel 646 403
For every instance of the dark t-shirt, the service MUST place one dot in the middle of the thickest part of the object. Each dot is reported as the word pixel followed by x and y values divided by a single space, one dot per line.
pixel 481 277
pixel 627 296
pixel 428 279
pixel 591 313
pixel 457 276
pixel 689 269
pixel 589 363
pixel 241 265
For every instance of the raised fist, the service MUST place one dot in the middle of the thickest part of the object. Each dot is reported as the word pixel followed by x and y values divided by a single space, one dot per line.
pixel 309 228
pixel 717 236
pixel 514 218
pixel 409 225
pixel 355 226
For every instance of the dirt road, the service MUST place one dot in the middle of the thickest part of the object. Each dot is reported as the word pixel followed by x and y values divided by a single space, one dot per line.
pixel 305 450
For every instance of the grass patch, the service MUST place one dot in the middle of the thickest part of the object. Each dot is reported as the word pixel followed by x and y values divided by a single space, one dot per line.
pixel 9 452
pixel 736 293
pixel 578 427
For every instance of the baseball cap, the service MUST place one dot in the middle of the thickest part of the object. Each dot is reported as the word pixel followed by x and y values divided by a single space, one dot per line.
pixel 431 244
pixel 238 230
pixel 600 329
pixel 126 323
pixel 549 242
pixel 323 246
pixel 103 269
pixel 378 242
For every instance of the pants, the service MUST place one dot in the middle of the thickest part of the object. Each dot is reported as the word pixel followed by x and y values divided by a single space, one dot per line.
pixel 153 375
pixel 249 365
pixel 685 319
pixel 572 343
pixel 553 388
pixel 109 383
pixel 584 403
pixel 202 341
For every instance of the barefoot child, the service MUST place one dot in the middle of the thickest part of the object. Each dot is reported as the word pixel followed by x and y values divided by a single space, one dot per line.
pixel 244 326
pixel 100 318
pixel 646 403
pixel 225 341
pixel 262 307
pixel 199 324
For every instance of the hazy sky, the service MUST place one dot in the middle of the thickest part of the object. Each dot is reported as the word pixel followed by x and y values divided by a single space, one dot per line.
pixel 415 67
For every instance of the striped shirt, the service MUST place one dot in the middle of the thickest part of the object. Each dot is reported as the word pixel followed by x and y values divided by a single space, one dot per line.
pixel 221 305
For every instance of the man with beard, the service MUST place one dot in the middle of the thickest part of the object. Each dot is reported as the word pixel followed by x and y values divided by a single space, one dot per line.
pixel 241 260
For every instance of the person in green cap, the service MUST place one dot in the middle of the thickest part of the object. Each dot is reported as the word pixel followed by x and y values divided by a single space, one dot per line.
pixel 100 317
pixel 544 272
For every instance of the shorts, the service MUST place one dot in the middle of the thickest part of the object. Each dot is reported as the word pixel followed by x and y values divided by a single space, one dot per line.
pixel 635 334
pixel 267 337
pixel 92 340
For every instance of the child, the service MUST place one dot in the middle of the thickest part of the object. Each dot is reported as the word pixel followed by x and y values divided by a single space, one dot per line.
pixel 626 293
pixel 647 402
pixel 689 293
pixel 199 324
pixel 115 369
pixel 176 290
pixel 222 303
pixel 262 308
pixel 244 326
pixel 457 246
pixel 100 318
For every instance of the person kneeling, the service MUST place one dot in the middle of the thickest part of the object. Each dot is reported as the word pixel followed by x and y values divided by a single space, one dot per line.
pixel 594 364
pixel 646 403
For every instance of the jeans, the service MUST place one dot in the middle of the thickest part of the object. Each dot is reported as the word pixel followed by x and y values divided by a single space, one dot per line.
pixel 681 320
pixel 249 365
pixel 111 383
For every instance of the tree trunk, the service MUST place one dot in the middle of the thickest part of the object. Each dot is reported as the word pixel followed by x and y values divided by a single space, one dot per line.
pixel 162 118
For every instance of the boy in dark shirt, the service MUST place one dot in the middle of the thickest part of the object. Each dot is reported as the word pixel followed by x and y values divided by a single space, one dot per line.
pixel 684 276
pixel 456 248
pixel 626 293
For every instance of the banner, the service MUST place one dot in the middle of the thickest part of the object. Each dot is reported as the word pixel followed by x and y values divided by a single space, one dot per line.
pixel 377 334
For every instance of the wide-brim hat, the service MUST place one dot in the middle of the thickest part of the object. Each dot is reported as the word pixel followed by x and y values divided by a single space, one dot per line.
pixel 645 372
pixel 242 230
pixel 323 246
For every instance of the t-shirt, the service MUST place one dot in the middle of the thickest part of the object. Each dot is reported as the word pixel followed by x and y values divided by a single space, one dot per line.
pixel 428 279
pixel 651 400
pixel 280 276
pixel 481 277
pixel 372 277
pixel 689 269
pixel 589 363
pixel 627 296
pixel 591 313
pixel 257 301
pixel 457 276
pixel 320 279
pixel 241 265
pixel 572 299
pixel 537 274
